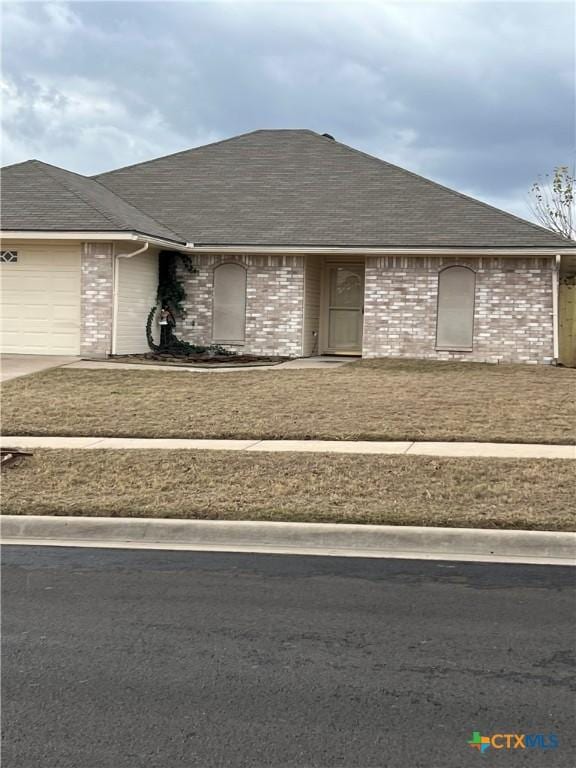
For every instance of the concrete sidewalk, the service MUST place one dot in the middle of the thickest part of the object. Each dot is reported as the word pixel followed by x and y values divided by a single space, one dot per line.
pixel 406 448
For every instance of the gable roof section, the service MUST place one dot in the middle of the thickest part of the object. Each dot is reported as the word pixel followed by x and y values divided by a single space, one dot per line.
pixel 298 188
pixel 41 197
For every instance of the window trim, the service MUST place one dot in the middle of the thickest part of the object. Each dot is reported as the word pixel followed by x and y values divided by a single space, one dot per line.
pixel 447 347
pixel 239 341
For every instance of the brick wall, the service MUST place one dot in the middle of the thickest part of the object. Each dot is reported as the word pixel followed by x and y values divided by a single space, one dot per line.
pixel 97 301
pixel 512 315
pixel 274 303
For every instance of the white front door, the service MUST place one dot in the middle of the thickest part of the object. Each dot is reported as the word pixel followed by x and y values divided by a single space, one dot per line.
pixel 345 308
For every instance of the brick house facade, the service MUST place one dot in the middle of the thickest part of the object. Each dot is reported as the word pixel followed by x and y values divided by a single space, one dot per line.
pixel 274 303
pixel 335 252
pixel 513 309
pixel 513 312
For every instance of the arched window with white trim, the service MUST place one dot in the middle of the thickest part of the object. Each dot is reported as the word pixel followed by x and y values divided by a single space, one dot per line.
pixel 229 303
pixel 455 319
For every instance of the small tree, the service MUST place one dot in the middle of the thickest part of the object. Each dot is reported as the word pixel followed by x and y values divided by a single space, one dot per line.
pixel 552 201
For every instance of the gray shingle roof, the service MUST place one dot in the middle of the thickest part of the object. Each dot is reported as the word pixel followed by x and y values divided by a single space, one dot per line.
pixel 268 187
pixel 41 197
pixel 296 187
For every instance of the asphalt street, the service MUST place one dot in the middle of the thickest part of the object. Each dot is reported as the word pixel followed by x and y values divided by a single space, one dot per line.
pixel 128 658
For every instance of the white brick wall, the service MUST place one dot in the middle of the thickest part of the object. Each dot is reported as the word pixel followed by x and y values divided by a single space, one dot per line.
pixel 96 299
pixel 274 303
pixel 512 315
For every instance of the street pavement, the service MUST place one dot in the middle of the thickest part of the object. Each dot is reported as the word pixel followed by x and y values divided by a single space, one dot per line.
pixel 127 658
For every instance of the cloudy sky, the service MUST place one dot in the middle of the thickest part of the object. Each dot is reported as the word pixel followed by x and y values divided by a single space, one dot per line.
pixel 477 95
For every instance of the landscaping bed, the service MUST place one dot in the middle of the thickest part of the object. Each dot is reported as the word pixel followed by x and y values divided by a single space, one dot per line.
pixel 393 490
pixel 203 359
pixel 368 400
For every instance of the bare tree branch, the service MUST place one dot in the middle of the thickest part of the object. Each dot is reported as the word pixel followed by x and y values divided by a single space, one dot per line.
pixel 553 203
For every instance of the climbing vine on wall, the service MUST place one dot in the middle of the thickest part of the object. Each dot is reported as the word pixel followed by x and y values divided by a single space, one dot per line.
pixel 171 291
pixel 171 296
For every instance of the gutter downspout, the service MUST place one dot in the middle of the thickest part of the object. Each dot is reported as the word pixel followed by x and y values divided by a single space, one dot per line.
pixel 115 288
pixel 134 253
pixel 555 313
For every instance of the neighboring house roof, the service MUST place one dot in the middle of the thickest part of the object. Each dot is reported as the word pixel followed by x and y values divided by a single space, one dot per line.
pixel 298 188
pixel 41 197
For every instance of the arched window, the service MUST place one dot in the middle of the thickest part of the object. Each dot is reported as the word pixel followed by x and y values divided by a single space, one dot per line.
pixel 455 320
pixel 229 312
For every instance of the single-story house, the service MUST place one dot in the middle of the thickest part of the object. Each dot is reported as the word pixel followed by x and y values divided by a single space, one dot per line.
pixel 300 246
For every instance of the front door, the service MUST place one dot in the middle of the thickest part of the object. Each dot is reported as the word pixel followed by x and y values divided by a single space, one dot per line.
pixel 345 308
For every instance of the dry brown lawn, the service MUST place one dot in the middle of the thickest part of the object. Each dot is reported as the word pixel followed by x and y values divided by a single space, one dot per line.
pixel 369 400
pixel 483 493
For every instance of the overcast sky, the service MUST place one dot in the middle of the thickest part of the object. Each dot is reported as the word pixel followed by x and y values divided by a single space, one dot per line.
pixel 477 95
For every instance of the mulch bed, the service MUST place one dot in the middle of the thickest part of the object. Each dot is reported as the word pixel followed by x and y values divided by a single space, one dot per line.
pixel 204 358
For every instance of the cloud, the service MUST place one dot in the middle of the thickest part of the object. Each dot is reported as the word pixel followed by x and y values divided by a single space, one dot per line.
pixel 80 124
pixel 479 96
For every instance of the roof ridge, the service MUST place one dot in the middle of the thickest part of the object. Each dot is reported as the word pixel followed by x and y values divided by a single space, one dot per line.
pixel 74 192
pixel 203 146
pixel 180 152
pixel 444 187
pixel 22 162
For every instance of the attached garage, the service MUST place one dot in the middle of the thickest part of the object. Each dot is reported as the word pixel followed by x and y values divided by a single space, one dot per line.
pixel 40 299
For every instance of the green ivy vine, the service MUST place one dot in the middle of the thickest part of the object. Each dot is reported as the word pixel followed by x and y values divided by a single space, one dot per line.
pixel 170 296
pixel 171 292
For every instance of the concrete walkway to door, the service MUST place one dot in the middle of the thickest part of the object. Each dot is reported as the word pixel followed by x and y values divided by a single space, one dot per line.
pixel 320 361
pixel 14 366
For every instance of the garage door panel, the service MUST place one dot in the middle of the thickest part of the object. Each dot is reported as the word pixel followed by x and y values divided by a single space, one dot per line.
pixel 40 307
pixel 34 257
pixel 32 283
pixel 61 313
pixel 40 284
pixel 34 312
pixel 65 284
pixel 10 330
pixel 60 341
pixel 35 337
pixel 35 327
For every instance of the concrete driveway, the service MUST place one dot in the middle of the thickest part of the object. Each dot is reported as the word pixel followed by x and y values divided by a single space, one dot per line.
pixel 13 366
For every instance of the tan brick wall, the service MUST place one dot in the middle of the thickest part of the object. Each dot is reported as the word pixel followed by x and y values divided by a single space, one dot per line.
pixel 274 303
pixel 97 300
pixel 512 315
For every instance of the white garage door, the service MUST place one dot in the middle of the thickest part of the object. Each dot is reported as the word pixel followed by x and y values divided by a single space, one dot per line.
pixel 40 299
pixel 136 288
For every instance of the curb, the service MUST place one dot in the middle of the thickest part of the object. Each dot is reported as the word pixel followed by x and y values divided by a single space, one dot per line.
pixel 294 538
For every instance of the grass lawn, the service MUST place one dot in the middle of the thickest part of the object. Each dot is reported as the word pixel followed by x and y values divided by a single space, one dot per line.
pixel 398 490
pixel 368 400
